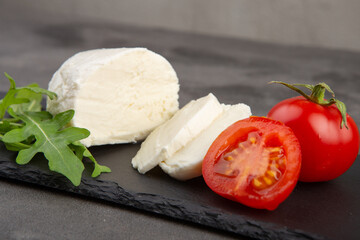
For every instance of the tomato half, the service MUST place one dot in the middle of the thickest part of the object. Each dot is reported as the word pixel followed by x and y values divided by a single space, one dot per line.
pixel 255 161
pixel 327 150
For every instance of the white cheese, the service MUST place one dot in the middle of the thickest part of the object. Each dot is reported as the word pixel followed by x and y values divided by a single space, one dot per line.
pixel 176 133
pixel 187 162
pixel 119 95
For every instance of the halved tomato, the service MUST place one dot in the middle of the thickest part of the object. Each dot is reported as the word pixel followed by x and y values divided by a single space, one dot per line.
pixel 255 161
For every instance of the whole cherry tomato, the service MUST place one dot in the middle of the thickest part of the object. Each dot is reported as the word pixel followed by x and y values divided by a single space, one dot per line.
pixel 328 136
pixel 255 161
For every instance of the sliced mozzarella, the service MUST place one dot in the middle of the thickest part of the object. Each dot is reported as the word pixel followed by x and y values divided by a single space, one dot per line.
pixel 186 163
pixel 174 134
pixel 120 95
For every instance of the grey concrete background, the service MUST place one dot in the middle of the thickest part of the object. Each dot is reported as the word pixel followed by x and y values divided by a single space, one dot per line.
pixel 33 46
pixel 320 23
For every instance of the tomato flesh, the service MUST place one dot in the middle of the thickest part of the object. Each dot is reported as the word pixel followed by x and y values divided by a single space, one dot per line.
pixel 260 165
pixel 255 161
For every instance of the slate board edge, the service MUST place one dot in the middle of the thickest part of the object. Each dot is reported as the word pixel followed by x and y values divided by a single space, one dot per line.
pixel 173 208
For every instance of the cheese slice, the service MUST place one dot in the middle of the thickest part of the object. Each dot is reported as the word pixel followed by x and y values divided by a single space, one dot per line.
pixel 187 162
pixel 120 95
pixel 176 133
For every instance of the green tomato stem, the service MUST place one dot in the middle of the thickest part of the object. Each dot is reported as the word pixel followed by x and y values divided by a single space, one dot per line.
pixel 318 96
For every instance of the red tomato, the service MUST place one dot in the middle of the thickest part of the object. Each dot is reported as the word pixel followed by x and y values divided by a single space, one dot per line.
pixel 327 150
pixel 255 161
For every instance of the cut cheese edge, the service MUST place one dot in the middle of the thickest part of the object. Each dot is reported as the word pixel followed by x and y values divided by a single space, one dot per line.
pixel 187 162
pixel 177 132
pixel 120 95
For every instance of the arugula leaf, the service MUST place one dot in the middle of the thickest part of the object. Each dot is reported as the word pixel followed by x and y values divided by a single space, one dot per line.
pixel 5 126
pixel 81 151
pixel 51 141
pixel 10 98
pixel 26 98
pixel 34 100
pixel 8 125
pixel 30 131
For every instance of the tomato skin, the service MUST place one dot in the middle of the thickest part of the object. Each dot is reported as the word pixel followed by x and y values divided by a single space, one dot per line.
pixel 265 199
pixel 327 150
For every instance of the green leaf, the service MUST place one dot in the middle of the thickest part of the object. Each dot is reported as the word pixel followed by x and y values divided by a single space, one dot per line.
pixel 16 146
pixel 9 100
pixel 39 90
pixel 10 97
pixel 12 81
pixel 34 100
pixel 26 98
pixel 51 140
pixel 5 126
pixel 81 151
pixel 29 131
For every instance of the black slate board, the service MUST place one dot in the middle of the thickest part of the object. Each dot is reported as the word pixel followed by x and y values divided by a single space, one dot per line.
pixel 313 211
pixel 153 192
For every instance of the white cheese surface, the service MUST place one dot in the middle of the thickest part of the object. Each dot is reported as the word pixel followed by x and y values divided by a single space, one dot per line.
pixel 119 95
pixel 177 132
pixel 187 162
